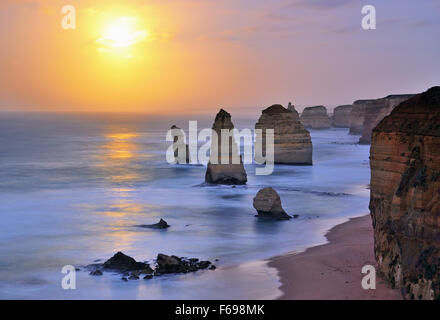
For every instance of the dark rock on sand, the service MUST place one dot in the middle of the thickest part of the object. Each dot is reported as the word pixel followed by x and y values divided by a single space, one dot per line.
pixel 96 273
pixel 267 202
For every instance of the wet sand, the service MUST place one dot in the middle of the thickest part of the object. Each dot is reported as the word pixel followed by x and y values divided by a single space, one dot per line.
pixel 333 271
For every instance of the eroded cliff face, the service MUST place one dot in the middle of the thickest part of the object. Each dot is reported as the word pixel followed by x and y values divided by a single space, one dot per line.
pixel 405 189
pixel 316 118
pixel 341 116
pixel 357 115
pixel 233 172
pixel 376 110
pixel 292 143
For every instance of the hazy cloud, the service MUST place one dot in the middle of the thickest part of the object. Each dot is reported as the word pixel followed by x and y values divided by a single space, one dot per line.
pixel 319 4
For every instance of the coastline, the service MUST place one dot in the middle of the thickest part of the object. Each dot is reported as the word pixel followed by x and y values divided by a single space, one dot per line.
pixel 332 271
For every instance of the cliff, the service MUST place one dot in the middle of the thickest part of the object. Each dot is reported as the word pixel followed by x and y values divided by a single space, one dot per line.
pixel 405 195
pixel 292 143
pixel 230 173
pixel 357 116
pixel 341 116
pixel 316 118
pixel 376 110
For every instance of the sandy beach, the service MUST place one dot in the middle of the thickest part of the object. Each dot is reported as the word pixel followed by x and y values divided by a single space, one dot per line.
pixel 333 271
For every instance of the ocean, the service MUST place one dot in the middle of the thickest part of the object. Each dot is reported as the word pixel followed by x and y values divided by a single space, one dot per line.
pixel 75 187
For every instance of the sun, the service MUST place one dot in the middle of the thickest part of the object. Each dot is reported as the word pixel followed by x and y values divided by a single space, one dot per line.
pixel 122 33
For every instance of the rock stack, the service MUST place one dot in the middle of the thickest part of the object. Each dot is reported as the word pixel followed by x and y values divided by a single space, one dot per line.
pixel 292 143
pixel 267 202
pixel 230 173
pixel 179 144
pixel 341 116
pixel 405 195
pixel 291 108
pixel 316 118
pixel 376 110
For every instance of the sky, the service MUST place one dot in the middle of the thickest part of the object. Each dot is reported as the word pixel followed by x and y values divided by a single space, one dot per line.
pixel 194 56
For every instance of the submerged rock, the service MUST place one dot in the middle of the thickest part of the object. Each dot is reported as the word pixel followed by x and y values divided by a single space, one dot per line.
pixel 316 118
pixel 405 197
pixel 122 263
pixel 232 173
pixel 267 202
pixel 162 224
pixel 292 143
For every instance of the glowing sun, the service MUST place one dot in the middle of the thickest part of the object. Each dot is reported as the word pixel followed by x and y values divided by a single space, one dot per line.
pixel 122 33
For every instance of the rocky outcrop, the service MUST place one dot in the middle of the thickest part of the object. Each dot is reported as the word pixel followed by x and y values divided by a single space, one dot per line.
pixel 121 262
pixel 132 270
pixel 162 224
pixel 316 118
pixel 267 202
pixel 232 173
pixel 341 116
pixel 376 110
pixel 179 144
pixel 405 195
pixel 173 264
pixel 292 142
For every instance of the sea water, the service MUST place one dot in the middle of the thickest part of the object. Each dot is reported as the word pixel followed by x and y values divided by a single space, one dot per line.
pixel 74 189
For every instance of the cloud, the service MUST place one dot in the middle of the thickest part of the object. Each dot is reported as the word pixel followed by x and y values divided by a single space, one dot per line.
pixel 319 4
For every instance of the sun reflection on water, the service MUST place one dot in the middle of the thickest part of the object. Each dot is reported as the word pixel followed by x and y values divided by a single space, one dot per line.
pixel 119 158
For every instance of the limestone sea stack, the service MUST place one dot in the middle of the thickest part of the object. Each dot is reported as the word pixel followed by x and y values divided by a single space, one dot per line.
pixel 216 172
pixel 405 195
pixel 316 118
pixel 341 116
pixel 267 202
pixel 291 108
pixel 376 110
pixel 292 142
pixel 179 144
